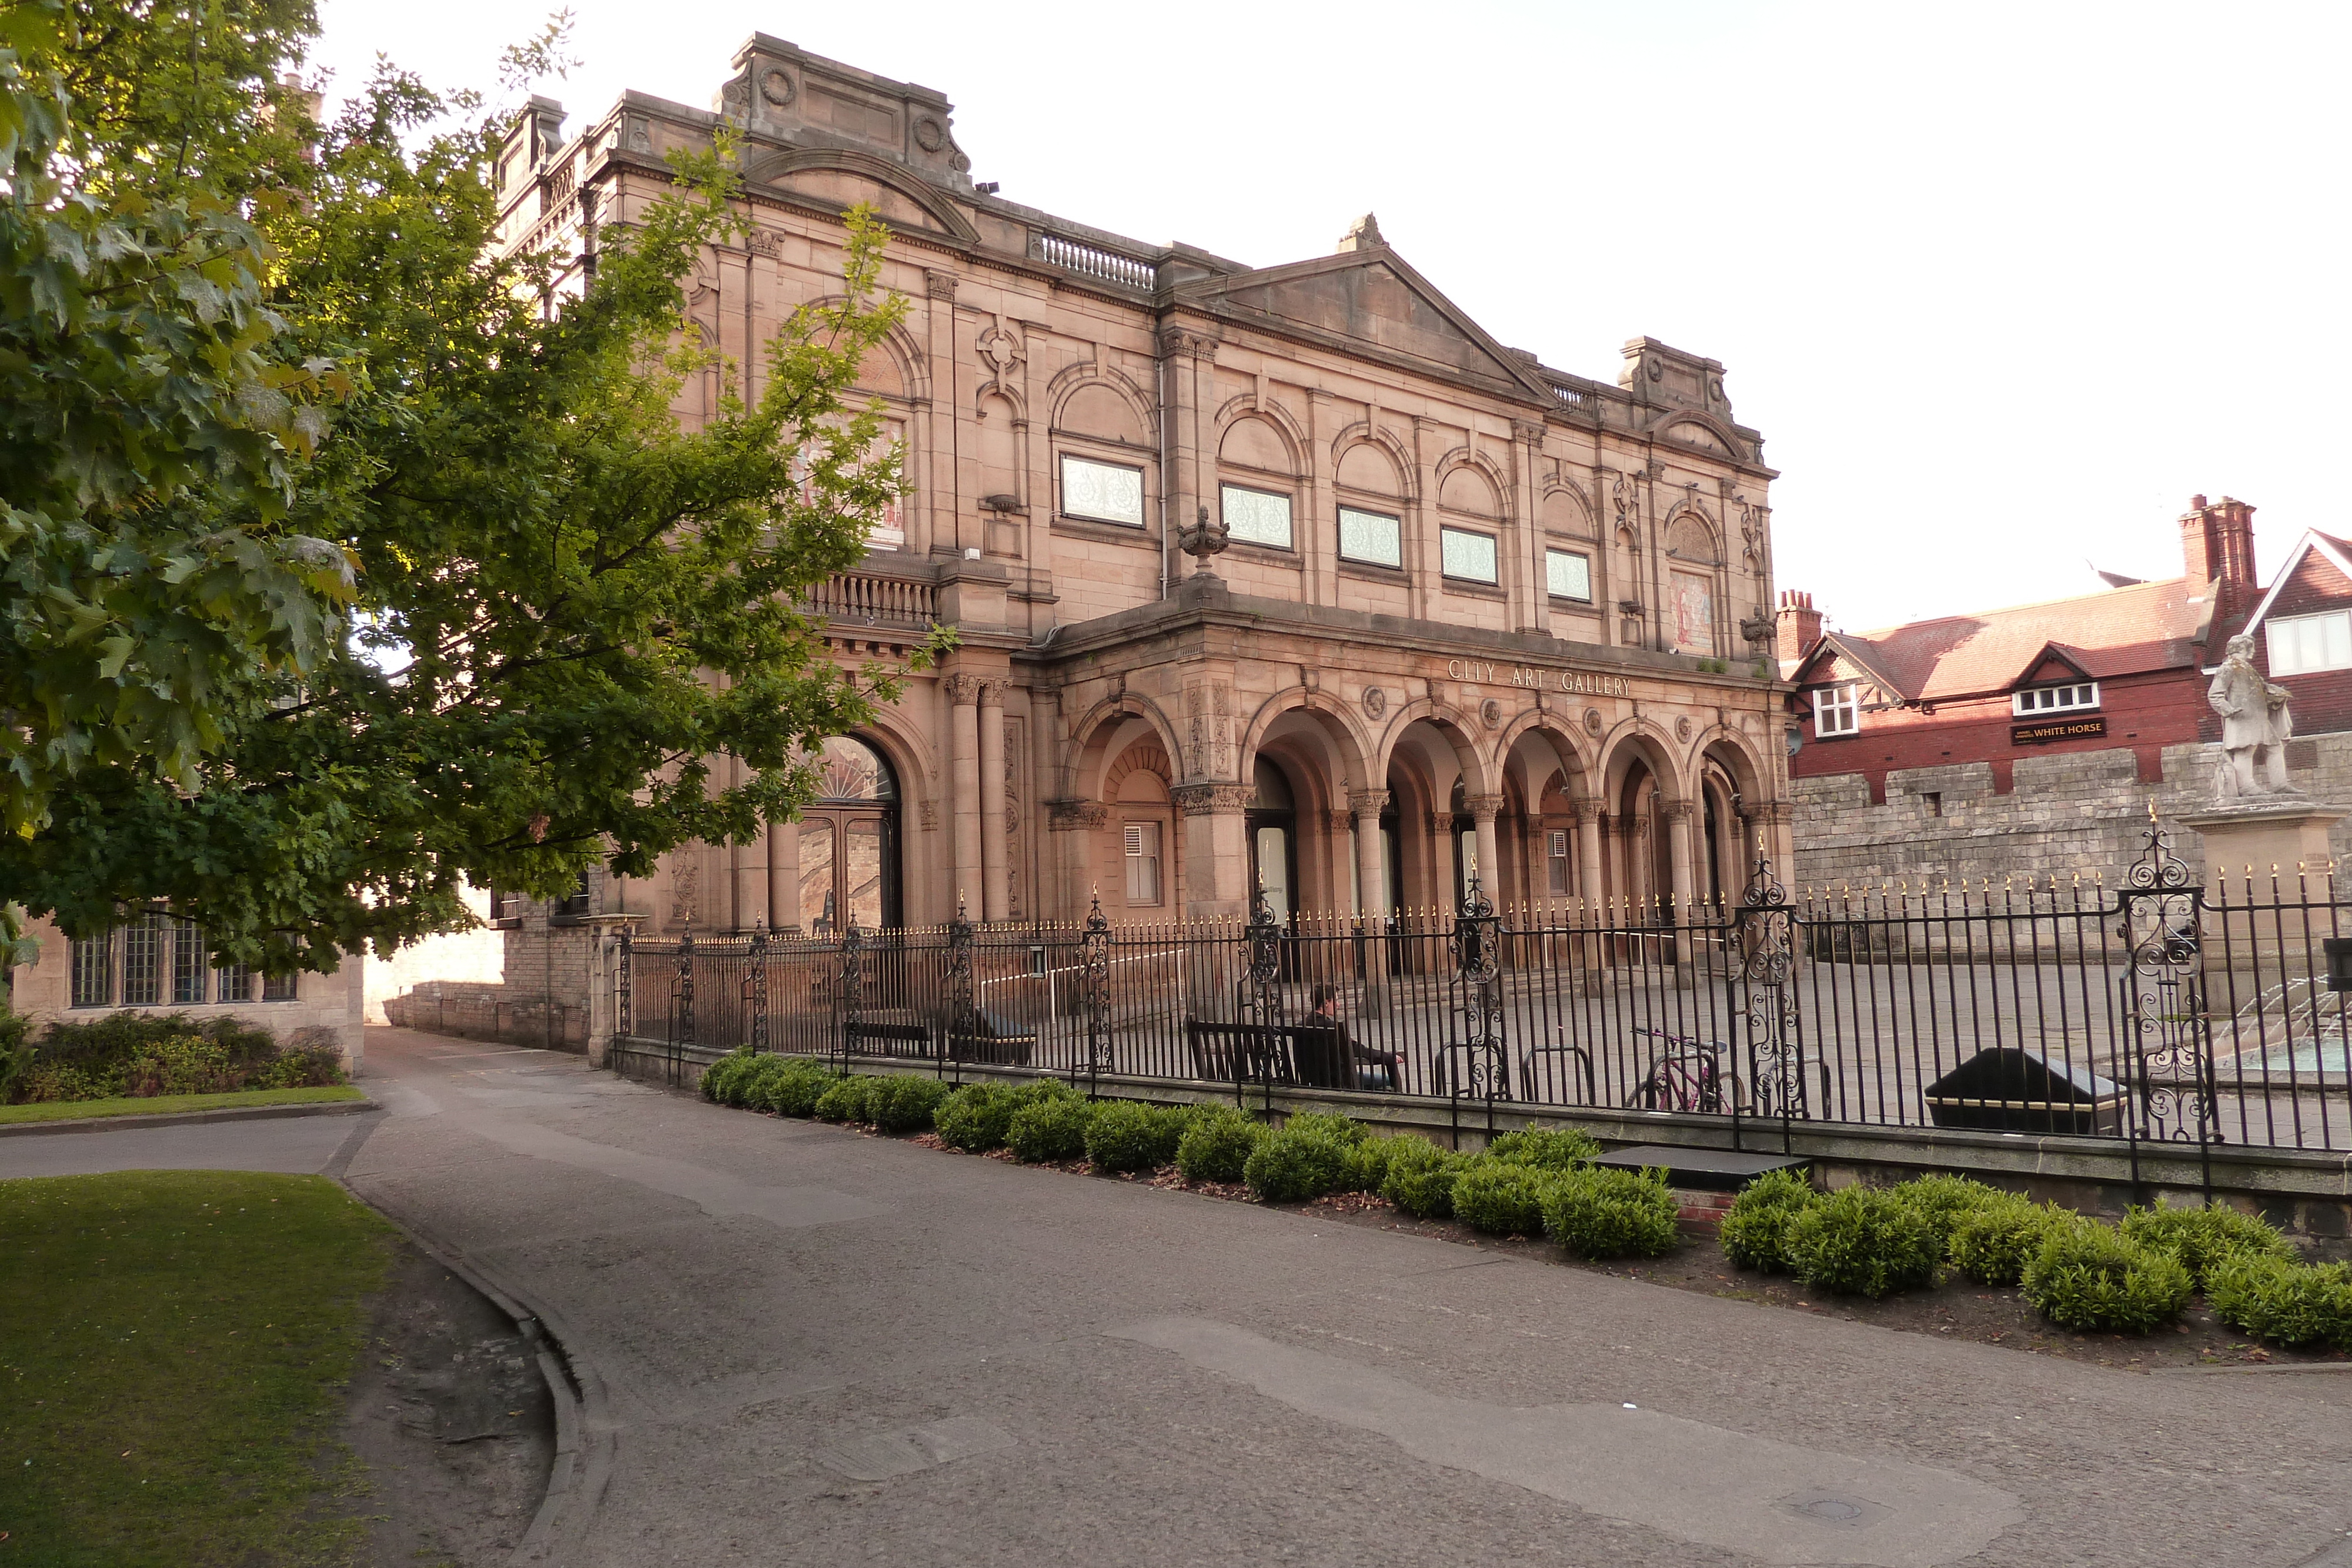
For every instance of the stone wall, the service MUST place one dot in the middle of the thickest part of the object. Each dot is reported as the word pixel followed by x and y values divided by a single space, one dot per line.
pixel 478 954
pixel 540 992
pixel 2081 812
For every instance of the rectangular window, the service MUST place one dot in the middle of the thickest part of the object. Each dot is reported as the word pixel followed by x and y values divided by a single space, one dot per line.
pixel 1256 517
pixel 236 983
pixel 1557 846
pixel 93 972
pixel 1837 710
pixel 2302 644
pixel 1465 555
pixel 1568 575
pixel 1373 537
pixel 1102 491
pixel 187 963
pixel 2055 699
pixel 277 987
pixel 1143 862
pixel 142 962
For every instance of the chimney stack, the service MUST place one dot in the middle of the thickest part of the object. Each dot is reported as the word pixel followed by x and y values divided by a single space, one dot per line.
pixel 1799 624
pixel 2217 549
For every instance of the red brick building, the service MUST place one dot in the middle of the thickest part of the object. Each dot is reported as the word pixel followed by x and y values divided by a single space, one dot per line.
pixel 2124 668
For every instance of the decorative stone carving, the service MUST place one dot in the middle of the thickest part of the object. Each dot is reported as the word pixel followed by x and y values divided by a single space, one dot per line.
pixel 939 285
pixel 1530 431
pixel 1075 816
pixel 992 694
pixel 929 813
pixel 1367 802
pixel 1376 702
pixel 1201 538
pixel 1484 808
pixel 1490 713
pixel 776 87
pixel 735 100
pixel 963 689
pixel 929 134
pixel 2255 725
pixel 1592 722
pixel 1211 800
pixel 764 241
pixel 1683 727
pixel 1175 340
pixel 1675 810
pixel 1002 349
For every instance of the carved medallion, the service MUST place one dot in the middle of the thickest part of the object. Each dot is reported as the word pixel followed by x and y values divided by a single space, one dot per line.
pixel 930 135
pixel 777 88
pixel 1490 713
pixel 1376 702
pixel 1683 728
pixel 1593 725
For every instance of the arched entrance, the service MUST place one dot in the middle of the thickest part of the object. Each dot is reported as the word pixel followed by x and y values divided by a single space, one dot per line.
pixel 1272 823
pixel 849 841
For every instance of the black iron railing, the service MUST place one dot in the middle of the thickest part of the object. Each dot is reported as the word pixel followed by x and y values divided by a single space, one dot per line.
pixel 2153 1012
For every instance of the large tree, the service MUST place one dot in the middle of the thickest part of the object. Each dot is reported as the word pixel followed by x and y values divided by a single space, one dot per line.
pixel 567 608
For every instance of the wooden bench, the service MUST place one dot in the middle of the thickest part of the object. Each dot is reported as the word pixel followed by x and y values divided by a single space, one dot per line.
pixel 994 1040
pixel 1245 1052
pixel 917 1035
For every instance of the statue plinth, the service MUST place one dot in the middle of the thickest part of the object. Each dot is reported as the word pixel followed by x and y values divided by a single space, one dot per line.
pixel 2267 830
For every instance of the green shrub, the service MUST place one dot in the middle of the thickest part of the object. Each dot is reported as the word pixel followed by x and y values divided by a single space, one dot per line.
pixel 1344 1131
pixel 1126 1136
pixel 1218 1145
pixel 2090 1276
pixel 1368 1165
pixel 1421 1178
pixel 1945 1199
pixel 1049 1128
pixel 846 1100
pixel 904 1104
pixel 1609 1213
pixel 719 1077
pixel 2201 1237
pixel 2286 1304
pixel 1500 1198
pixel 1754 1232
pixel 1296 1165
pixel 1038 1089
pixel 974 1118
pixel 1992 1244
pixel 750 1086
pixel 304 1067
pixel 1865 1241
pixel 792 1088
pixel 1546 1148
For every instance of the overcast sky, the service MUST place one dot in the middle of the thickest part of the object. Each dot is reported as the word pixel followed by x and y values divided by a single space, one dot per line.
pixel 2002 286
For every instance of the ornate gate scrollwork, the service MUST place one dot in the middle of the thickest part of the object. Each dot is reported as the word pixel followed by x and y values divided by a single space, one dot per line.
pixel 852 990
pixel 1093 980
pixel 1764 930
pixel 1476 1066
pixel 755 988
pixel 2167 1041
pixel 963 1018
pixel 682 989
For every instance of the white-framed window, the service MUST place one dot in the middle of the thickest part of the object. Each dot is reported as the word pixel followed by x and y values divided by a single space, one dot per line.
pixel 1142 864
pixel 1556 851
pixel 1837 710
pixel 2299 645
pixel 1102 491
pixel 1373 536
pixel 2069 698
pixel 1466 555
pixel 1256 517
pixel 1568 575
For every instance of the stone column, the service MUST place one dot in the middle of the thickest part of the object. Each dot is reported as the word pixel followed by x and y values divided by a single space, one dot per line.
pixel 1073 824
pixel 750 865
pixel 1445 896
pixel 1371 878
pixel 1678 818
pixel 1215 850
pixel 1483 812
pixel 784 877
pixel 1589 885
pixel 995 877
pixel 964 786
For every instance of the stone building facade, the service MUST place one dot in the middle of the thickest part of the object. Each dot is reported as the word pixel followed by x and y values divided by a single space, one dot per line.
pixel 1472 611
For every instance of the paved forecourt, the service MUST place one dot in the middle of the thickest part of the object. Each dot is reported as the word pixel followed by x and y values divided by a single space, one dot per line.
pixel 802 1344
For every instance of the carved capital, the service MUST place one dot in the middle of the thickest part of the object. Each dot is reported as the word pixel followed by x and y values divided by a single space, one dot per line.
pixel 1675 810
pixel 1586 812
pixel 992 694
pixel 1777 813
pixel 962 690
pixel 1441 822
pixel 1211 800
pixel 1484 808
pixel 1175 340
pixel 1367 802
pixel 1075 816
pixel 1530 431
pixel 939 285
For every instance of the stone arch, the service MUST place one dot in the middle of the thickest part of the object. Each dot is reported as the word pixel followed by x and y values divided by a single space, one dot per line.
pixel 1137 756
pixel 1460 729
pixel 1496 482
pixel 1088 377
pixel 1353 747
pixel 1692 536
pixel 1089 750
pixel 1556 730
pixel 1650 742
pixel 1280 427
pixel 1565 510
pixel 897 183
pixel 1362 434
pixel 1708 424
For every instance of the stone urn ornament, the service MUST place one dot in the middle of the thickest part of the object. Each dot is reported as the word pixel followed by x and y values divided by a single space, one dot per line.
pixel 2255 727
pixel 1203 539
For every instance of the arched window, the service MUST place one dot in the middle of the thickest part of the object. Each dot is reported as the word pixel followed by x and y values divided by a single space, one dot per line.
pixel 849 840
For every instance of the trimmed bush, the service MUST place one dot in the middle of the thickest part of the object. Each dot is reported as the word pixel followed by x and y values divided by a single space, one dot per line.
pixel 794 1090
pixel 1754 1232
pixel 1218 1145
pixel 2089 1276
pixel 1546 1148
pixel 1609 1213
pixel 1992 1244
pixel 2202 1238
pixel 904 1104
pixel 975 1117
pixel 1126 1135
pixel 1368 1165
pixel 2285 1303
pixel 719 1080
pixel 1421 1178
pixel 1296 1165
pixel 1049 1128
pixel 1344 1131
pixel 1865 1241
pixel 1944 1199
pixel 752 1087
pixel 846 1100
pixel 1500 1198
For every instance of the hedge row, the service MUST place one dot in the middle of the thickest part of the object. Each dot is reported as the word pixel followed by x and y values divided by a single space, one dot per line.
pixel 2078 1272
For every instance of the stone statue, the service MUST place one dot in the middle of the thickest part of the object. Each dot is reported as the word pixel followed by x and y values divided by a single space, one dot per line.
pixel 2255 725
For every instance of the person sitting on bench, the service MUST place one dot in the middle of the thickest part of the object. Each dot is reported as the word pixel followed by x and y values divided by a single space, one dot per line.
pixel 1374 1068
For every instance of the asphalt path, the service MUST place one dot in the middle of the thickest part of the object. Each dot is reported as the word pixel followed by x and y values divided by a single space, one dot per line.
pixel 800 1344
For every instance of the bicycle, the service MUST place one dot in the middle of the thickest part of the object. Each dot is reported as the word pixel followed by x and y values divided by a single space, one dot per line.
pixel 1688 1079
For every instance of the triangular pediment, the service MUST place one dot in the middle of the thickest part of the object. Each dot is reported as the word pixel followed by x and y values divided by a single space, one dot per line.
pixel 1370 297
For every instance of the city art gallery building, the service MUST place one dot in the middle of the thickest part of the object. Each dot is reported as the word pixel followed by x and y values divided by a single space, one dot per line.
pixel 1470 610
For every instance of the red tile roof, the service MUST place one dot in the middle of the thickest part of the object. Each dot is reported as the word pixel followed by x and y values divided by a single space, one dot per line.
pixel 2125 631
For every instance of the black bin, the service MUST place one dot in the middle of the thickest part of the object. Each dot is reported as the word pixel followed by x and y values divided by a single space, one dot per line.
pixel 2009 1089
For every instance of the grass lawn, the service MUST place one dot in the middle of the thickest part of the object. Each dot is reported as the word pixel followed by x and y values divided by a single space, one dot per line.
pixel 172 1350
pixel 158 1104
